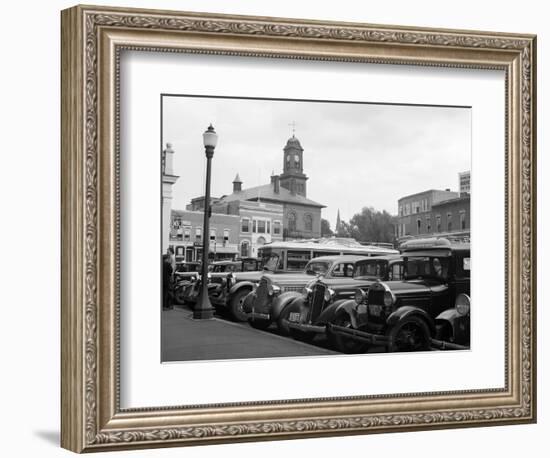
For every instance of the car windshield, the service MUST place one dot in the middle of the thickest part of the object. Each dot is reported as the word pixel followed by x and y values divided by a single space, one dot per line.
pixel 317 268
pixel 426 266
pixel 373 269
pixel 270 261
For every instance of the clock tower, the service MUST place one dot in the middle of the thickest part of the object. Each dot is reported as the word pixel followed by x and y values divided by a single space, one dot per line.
pixel 293 177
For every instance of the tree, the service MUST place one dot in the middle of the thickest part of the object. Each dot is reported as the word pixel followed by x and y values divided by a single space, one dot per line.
pixel 372 226
pixel 325 228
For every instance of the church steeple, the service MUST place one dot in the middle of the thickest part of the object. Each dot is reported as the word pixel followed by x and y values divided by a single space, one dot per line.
pixel 338 223
pixel 237 184
pixel 293 177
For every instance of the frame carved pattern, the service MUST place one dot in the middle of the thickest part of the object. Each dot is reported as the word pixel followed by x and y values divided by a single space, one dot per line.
pixel 94 20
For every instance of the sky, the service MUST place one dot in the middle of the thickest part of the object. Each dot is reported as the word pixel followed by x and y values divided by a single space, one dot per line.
pixel 355 154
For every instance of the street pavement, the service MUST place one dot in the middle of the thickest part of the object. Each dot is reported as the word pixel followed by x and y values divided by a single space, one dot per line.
pixel 186 339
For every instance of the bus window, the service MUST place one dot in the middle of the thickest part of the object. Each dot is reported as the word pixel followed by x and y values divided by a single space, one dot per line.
pixel 297 260
pixel 317 254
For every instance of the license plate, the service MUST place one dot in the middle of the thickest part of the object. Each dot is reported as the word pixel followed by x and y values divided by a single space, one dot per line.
pixel 294 317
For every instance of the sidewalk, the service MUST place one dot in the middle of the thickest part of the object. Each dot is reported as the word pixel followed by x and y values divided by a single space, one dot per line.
pixel 186 339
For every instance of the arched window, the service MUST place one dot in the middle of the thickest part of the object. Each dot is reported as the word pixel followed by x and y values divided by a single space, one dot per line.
pixel 308 222
pixel 260 241
pixel 292 221
pixel 245 249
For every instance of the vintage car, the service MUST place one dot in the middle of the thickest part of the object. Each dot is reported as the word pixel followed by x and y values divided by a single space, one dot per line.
pixel 240 265
pixel 185 276
pixel 228 284
pixel 453 326
pixel 324 298
pixel 403 315
pixel 275 292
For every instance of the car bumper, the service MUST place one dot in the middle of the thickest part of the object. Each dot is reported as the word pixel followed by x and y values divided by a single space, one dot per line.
pixel 378 339
pixel 307 327
pixel 443 345
pixel 361 336
pixel 258 316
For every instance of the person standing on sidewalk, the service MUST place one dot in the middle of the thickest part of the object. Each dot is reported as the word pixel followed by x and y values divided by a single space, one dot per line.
pixel 167 282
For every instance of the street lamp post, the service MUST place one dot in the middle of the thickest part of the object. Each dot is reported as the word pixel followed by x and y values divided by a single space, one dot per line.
pixel 203 309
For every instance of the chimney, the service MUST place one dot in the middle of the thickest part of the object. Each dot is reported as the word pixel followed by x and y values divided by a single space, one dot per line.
pixel 237 184
pixel 276 184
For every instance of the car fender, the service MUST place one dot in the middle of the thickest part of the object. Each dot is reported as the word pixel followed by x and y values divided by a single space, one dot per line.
pixel 346 307
pixel 295 304
pixel 242 284
pixel 333 309
pixel 281 301
pixel 403 312
pixel 449 315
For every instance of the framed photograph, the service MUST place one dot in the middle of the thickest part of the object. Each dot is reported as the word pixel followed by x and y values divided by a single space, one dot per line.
pixel 278 228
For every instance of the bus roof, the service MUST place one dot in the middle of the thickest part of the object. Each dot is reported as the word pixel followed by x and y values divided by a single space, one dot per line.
pixel 348 246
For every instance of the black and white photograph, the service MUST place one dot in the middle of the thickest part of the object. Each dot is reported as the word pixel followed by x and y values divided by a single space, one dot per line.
pixel 313 228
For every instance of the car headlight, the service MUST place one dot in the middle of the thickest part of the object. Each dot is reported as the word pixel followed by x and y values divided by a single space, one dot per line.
pixel 462 304
pixel 273 289
pixel 309 287
pixel 388 299
pixel 329 294
pixel 359 296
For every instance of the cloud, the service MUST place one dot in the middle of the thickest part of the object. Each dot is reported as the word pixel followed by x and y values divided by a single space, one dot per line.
pixel 355 154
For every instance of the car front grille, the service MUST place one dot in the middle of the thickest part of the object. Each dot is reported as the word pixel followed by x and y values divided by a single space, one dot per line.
pixel 261 302
pixel 375 307
pixel 316 303
pixel 376 296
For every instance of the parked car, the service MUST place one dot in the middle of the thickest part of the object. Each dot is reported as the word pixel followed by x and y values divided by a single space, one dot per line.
pixel 403 315
pixel 185 276
pixel 275 292
pixel 325 298
pixel 228 284
pixel 240 265
pixel 453 326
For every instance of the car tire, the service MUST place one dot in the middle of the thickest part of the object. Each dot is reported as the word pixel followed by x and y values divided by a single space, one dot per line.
pixel 236 305
pixel 341 343
pixel 410 334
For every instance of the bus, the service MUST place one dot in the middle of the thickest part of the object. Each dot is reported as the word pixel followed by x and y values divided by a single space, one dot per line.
pixel 294 255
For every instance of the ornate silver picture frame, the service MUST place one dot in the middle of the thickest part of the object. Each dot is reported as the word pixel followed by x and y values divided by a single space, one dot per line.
pixel 93 39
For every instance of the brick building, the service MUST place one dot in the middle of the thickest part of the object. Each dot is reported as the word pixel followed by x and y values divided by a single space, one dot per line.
pixel 434 212
pixel 186 235
pixel 415 211
pixel 287 192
